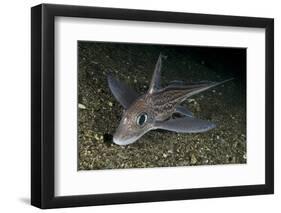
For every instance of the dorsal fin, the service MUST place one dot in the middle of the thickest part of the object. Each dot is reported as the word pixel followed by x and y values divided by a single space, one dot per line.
pixel 155 83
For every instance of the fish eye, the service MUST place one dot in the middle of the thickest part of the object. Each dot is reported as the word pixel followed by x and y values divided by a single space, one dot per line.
pixel 141 119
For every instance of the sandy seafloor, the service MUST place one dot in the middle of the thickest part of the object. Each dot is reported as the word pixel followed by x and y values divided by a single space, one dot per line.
pixel 99 113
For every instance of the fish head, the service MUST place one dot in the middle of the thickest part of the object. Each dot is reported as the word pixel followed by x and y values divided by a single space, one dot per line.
pixel 135 122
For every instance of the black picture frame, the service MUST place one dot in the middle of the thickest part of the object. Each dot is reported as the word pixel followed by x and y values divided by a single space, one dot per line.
pixel 43 102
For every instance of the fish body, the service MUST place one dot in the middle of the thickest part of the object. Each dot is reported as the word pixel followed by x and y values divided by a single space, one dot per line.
pixel 155 109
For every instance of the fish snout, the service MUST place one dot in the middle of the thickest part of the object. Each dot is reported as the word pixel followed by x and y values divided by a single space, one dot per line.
pixel 117 140
pixel 123 140
pixel 120 141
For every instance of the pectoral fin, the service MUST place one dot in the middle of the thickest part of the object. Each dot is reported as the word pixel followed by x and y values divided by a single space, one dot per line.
pixel 183 111
pixel 123 94
pixel 185 125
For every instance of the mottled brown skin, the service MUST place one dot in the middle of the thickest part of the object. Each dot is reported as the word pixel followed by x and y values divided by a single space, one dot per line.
pixel 128 129
pixel 158 106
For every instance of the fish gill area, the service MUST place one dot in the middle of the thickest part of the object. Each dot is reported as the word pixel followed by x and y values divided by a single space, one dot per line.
pixel 99 113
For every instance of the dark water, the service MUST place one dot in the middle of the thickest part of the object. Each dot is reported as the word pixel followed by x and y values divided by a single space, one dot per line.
pixel 100 113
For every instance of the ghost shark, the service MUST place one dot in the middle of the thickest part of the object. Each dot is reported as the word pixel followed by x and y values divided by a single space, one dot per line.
pixel 155 109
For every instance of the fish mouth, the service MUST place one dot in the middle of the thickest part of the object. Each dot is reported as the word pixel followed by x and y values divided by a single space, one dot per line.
pixel 122 141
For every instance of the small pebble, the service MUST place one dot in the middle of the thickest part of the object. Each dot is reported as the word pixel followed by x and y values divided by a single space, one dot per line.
pixel 191 100
pixel 96 137
pixel 81 106
pixel 193 159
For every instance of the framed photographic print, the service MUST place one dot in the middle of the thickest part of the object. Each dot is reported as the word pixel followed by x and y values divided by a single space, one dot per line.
pixel 139 106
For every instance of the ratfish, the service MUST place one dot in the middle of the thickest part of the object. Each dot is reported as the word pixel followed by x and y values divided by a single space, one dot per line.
pixel 156 108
